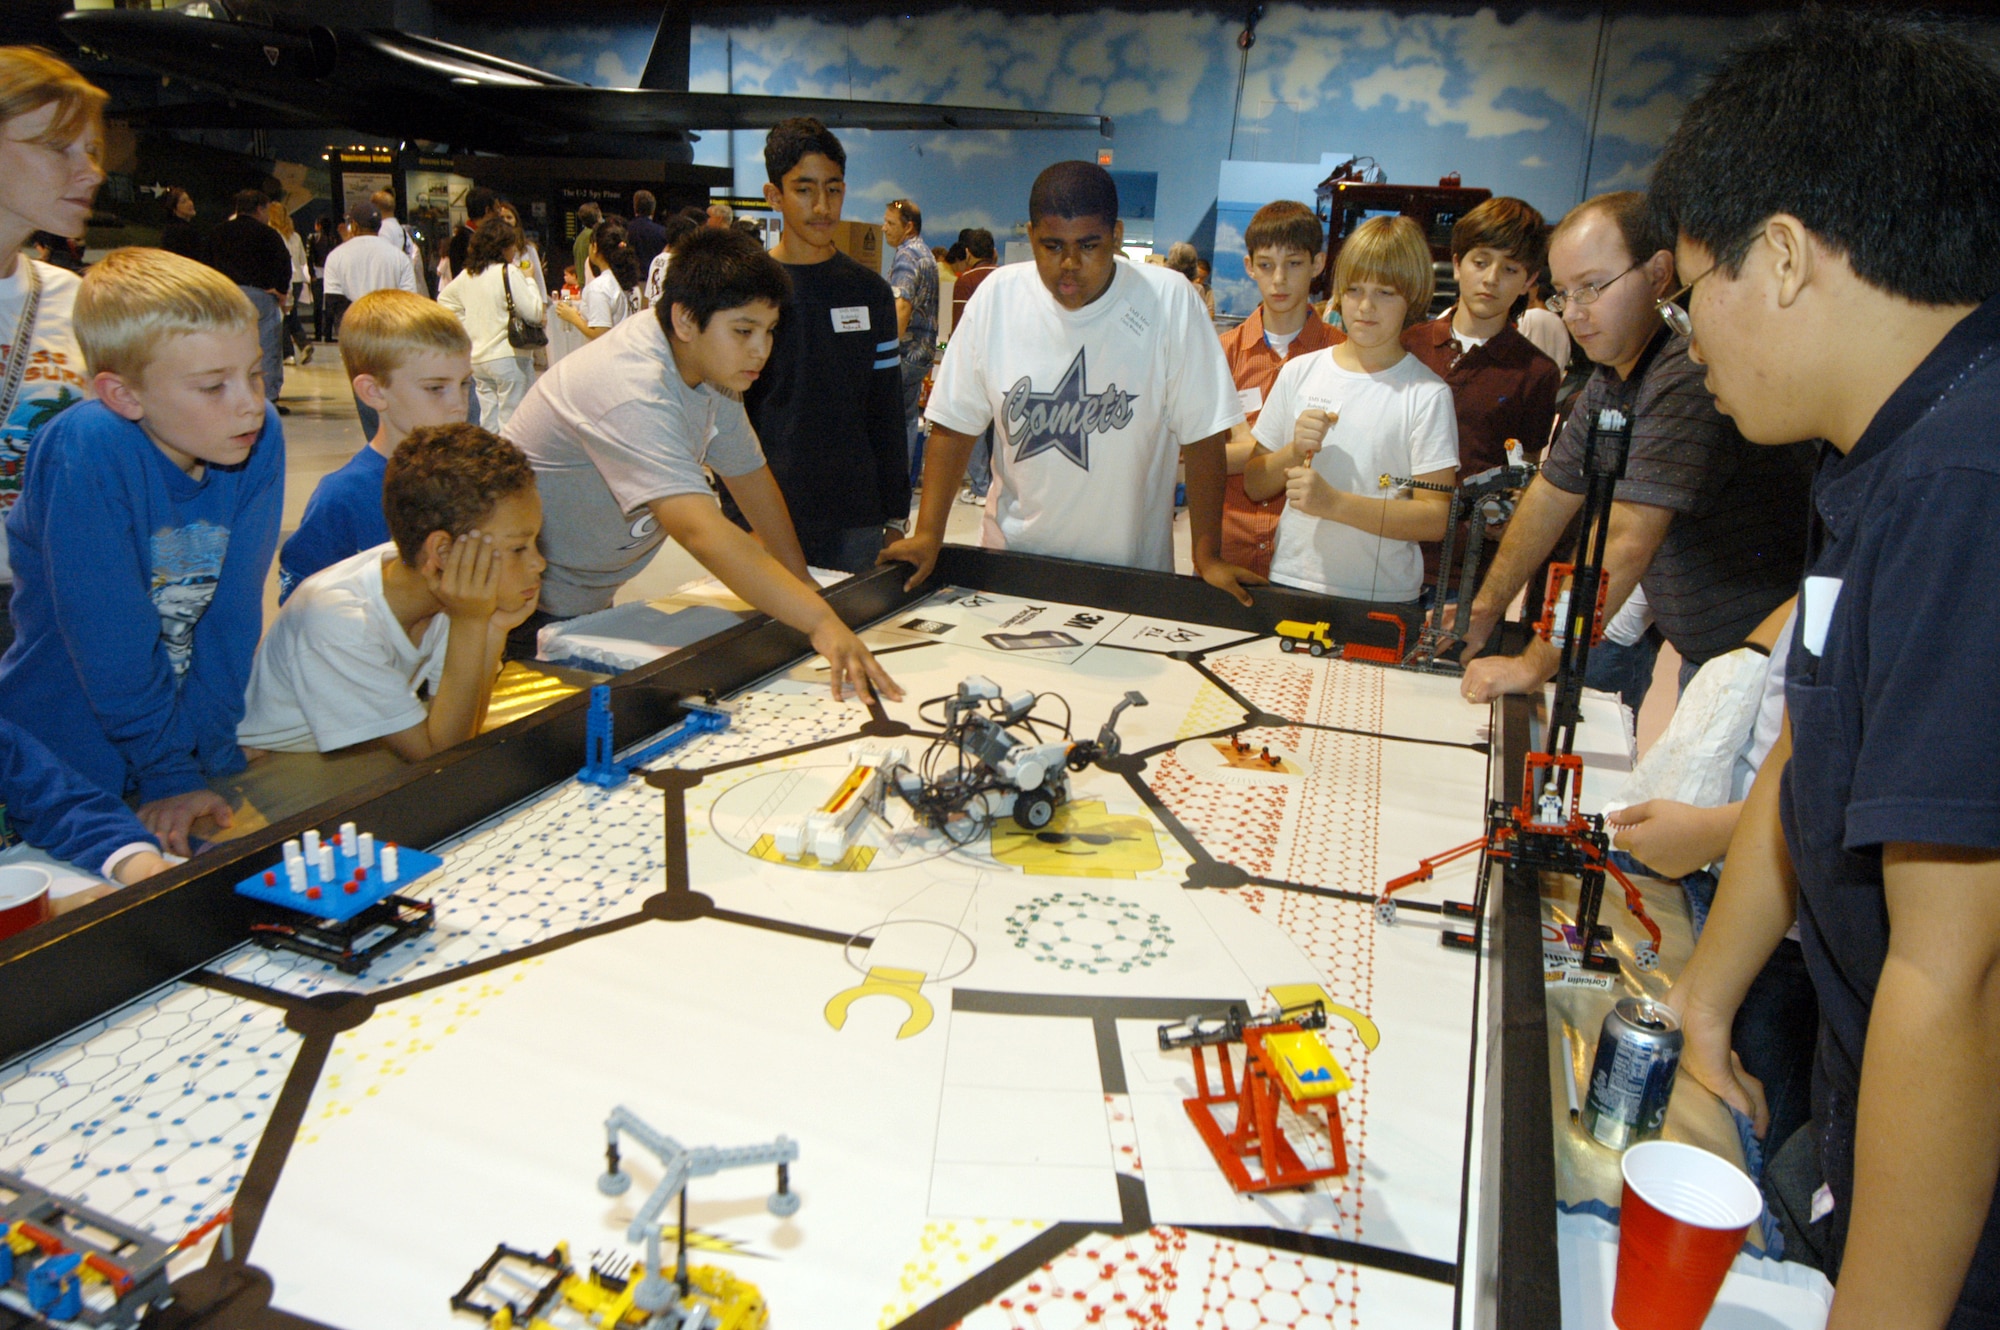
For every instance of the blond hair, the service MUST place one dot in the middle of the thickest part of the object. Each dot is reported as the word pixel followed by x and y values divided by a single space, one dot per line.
pixel 31 78
pixel 133 299
pixel 1392 251
pixel 384 328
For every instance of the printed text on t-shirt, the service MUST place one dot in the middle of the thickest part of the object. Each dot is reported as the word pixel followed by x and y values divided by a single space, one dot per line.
pixel 1065 419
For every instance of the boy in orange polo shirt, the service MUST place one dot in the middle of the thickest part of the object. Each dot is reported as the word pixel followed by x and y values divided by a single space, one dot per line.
pixel 1285 251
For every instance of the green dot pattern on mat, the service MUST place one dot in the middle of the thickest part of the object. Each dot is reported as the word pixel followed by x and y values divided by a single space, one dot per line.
pixel 1089 933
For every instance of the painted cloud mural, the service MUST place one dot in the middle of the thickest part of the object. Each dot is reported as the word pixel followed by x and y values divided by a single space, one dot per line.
pixel 1506 102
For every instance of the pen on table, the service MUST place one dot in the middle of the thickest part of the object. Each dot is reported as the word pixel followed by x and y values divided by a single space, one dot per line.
pixel 1569 1076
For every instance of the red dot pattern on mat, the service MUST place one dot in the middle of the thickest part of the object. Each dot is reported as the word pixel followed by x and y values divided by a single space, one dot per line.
pixel 1321 830
pixel 1131 1283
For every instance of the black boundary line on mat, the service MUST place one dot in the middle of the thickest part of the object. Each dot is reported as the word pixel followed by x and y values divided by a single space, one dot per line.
pixel 1336 1249
pixel 281 1131
pixel 1148 754
pixel 968 1296
pixel 1476 746
pixel 1187 840
pixel 249 992
pixel 1198 659
pixel 1104 1013
pixel 807 931
pixel 1340 894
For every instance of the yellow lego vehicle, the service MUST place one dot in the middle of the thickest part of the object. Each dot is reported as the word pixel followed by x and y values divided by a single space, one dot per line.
pixel 1294 635
pixel 528 1291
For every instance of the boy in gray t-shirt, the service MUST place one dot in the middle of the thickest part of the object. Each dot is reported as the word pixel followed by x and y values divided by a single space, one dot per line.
pixel 619 433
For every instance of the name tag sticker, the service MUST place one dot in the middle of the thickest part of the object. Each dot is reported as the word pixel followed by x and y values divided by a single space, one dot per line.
pixel 851 318
pixel 1132 320
pixel 1816 602
pixel 1250 399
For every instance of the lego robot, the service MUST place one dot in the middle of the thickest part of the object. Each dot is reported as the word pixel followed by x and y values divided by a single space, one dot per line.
pixel 996 758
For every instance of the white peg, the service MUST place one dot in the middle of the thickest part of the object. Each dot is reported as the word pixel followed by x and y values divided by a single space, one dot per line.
pixel 326 863
pixel 389 873
pixel 366 849
pixel 312 846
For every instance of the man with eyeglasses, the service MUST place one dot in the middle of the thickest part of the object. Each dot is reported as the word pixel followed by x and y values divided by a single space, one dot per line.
pixel 1856 297
pixel 1713 527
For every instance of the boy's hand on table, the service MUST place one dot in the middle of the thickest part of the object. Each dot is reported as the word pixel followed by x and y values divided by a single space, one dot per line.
pixel 170 818
pixel 848 662
pixel 468 586
pixel 915 548
pixel 1227 577
pixel 1490 676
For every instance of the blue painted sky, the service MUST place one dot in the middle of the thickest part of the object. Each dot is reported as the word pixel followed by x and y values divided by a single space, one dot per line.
pixel 1505 103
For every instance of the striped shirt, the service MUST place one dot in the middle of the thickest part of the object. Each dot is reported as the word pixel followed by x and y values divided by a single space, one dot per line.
pixel 1737 545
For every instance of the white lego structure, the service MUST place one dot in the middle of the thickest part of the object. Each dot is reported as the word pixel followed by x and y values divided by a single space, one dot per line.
pixel 830 831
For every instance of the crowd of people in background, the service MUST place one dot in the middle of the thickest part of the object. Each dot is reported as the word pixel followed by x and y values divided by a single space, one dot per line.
pixel 771 410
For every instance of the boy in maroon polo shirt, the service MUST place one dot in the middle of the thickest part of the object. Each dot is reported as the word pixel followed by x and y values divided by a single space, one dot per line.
pixel 1504 386
pixel 1285 251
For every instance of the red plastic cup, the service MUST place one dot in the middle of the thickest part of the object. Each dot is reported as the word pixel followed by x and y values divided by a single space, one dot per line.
pixel 1680 1226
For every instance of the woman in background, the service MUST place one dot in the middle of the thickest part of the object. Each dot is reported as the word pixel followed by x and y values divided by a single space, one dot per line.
pixel 297 345
pixel 614 292
pixel 480 296
pixel 180 235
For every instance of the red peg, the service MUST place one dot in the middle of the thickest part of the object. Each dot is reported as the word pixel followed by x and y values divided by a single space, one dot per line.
pixel 270 879
pixel 312 893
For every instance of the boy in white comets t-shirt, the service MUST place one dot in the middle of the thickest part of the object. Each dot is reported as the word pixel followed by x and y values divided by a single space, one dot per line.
pixel 1100 377
pixel 1339 420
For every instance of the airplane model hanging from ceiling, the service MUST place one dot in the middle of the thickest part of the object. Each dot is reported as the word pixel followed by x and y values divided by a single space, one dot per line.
pixel 272 70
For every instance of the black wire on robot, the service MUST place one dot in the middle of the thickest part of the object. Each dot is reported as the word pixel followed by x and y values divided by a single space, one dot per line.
pixel 995 757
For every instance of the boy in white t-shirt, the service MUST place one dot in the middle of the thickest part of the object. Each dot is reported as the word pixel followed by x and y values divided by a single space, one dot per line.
pixel 348 658
pixel 1100 378
pixel 1339 422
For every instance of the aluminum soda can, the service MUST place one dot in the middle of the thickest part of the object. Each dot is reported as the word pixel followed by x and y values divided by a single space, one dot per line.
pixel 1633 1075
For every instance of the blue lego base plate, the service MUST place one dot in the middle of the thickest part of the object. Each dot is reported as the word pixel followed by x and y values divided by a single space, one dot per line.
pixel 335 901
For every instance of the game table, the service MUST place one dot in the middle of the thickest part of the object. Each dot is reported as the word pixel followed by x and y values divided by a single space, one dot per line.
pixel 961 1040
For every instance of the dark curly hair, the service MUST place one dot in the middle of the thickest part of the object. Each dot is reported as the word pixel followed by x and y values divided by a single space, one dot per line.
pixel 448 478
pixel 490 244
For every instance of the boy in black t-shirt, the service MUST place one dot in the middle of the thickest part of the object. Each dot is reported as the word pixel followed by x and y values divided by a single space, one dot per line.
pixel 828 406
pixel 1857 299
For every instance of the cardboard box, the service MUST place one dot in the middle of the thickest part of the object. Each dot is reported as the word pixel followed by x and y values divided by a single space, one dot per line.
pixel 860 241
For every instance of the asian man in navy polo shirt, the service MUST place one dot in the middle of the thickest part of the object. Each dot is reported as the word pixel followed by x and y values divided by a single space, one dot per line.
pixel 1834 193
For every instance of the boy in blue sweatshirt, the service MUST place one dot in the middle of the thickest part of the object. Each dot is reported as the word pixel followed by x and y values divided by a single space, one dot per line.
pixel 55 810
pixel 146 523
pixel 411 360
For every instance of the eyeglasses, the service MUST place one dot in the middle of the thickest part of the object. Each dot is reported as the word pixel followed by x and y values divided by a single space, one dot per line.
pixel 1584 295
pixel 1673 315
